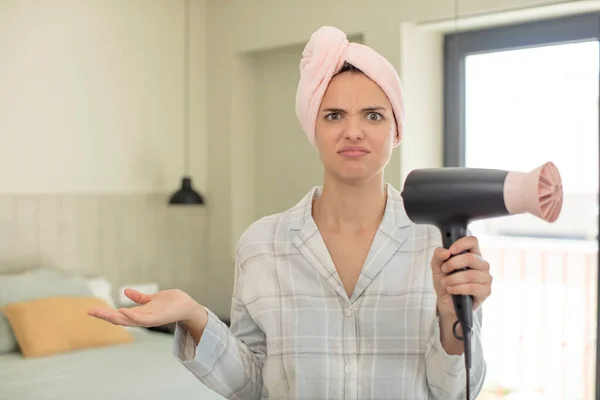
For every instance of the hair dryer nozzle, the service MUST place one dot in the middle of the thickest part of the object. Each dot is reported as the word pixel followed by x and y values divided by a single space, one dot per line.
pixel 538 192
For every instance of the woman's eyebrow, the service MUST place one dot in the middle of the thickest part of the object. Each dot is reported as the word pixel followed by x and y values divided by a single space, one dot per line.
pixel 374 108
pixel 365 109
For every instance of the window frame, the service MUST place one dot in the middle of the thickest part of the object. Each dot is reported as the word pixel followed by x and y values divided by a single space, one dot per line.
pixel 458 45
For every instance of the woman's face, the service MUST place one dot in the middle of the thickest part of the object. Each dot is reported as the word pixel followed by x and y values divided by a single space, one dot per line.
pixel 355 130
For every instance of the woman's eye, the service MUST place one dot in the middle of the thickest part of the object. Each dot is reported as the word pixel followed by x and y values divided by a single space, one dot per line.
pixel 333 116
pixel 373 116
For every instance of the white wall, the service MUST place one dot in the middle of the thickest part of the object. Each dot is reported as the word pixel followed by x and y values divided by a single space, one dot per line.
pixel 91 95
pixel 91 139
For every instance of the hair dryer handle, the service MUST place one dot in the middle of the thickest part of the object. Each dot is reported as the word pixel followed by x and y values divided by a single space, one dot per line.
pixel 452 232
pixel 463 305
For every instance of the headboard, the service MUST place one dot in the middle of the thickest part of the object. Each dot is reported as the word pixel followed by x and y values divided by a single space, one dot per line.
pixel 127 238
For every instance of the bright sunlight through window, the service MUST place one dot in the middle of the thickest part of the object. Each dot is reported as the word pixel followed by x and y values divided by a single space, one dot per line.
pixel 525 107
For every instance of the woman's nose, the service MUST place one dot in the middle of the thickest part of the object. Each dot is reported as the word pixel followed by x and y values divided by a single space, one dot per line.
pixel 354 130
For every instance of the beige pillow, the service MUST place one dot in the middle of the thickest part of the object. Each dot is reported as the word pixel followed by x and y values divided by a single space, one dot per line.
pixel 35 284
pixel 55 325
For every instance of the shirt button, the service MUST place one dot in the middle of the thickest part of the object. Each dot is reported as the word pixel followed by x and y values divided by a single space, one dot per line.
pixel 348 312
pixel 348 369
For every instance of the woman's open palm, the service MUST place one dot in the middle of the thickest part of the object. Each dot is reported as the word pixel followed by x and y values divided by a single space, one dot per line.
pixel 162 308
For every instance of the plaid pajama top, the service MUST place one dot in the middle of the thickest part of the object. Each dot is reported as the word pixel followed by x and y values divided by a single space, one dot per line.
pixel 295 334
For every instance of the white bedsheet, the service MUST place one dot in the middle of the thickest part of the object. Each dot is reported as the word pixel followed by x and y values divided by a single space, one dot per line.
pixel 145 370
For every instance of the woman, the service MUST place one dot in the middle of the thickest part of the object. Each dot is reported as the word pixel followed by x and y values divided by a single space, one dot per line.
pixel 341 296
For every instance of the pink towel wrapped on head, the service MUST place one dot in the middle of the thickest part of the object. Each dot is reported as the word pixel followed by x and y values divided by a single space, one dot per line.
pixel 323 56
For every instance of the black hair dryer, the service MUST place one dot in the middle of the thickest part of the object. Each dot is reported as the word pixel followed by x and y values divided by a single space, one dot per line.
pixel 450 198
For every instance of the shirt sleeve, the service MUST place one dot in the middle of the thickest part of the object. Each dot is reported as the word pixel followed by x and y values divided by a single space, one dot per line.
pixel 446 374
pixel 227 360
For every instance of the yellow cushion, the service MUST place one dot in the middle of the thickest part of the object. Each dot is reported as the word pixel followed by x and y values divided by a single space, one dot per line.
pixel 55 325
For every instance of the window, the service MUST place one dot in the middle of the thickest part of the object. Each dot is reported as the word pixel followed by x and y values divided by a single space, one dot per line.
pixel 516 97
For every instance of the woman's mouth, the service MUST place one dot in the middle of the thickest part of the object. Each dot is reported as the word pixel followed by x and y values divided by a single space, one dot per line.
pixel 353 151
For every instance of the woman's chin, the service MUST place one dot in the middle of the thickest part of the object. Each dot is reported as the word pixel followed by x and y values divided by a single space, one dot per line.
pixel 354 176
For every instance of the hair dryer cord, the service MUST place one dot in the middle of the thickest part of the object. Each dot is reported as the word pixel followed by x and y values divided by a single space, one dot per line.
pixel 467 352
pixel 463 305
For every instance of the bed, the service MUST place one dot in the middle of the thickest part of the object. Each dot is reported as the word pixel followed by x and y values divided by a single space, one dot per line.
pixel 144 369
pixel 141 368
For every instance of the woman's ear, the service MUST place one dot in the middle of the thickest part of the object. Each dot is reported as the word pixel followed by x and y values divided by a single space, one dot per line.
pixel 396 139
pixel 396 134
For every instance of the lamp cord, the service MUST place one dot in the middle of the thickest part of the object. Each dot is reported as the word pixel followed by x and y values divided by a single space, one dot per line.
pixel 186 84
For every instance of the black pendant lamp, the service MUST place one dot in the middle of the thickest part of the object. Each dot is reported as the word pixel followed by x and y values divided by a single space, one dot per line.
pixel 186 194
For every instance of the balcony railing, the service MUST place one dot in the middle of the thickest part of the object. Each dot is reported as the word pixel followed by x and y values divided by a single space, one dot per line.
pixel 539 325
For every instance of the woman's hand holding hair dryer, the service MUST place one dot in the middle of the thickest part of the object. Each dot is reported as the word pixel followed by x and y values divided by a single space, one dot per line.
pixel 161 308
